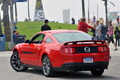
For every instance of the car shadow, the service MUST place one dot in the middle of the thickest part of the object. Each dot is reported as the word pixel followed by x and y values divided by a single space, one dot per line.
pixel 74 75
pixel 35 71
pixel 84 75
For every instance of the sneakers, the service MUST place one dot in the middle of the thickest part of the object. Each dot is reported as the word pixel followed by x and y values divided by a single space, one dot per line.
pixel 115 49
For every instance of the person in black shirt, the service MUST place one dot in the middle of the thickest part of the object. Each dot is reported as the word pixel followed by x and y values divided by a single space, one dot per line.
pixel 117 36
pixel 45 26
pixel 73 20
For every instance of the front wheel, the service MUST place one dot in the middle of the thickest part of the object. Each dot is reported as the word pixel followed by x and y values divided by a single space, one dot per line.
pixel 97 72
pixel 47 67
pixel 16 63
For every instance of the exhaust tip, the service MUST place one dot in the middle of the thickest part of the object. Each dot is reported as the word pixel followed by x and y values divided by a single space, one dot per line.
pixel 69 69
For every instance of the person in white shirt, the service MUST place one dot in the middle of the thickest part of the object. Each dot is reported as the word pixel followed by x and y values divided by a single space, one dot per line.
pixel 97 31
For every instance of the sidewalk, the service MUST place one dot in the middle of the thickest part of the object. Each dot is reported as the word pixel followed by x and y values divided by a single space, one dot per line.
pixel 112 52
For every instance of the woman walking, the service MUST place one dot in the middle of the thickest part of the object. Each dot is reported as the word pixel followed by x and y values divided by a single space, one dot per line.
pixel 110 35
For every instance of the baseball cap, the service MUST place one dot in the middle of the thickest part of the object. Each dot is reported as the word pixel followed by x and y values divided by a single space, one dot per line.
pixel 46 21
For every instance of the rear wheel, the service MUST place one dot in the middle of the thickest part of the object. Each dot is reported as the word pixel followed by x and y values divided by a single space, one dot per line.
pixel 47 67
pixel 97 72
pixel 16 63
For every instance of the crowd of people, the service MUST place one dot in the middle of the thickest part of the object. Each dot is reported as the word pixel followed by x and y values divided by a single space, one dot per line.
pixel 101 32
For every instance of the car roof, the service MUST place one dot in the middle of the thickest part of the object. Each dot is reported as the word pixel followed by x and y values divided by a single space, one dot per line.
pixel 58 31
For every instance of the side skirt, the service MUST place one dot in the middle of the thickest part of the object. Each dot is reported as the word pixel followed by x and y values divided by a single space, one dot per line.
pixel 31 66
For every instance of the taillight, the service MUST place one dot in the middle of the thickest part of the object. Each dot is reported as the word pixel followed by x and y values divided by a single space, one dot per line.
pixel 68 50
pixel 102 49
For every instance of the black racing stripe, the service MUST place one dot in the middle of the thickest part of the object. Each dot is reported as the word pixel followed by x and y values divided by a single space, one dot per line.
pixel 27 52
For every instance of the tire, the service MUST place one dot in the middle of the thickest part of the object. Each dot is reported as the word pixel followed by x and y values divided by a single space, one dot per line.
pixel 16 63
pixel 97 72
pixel 47 67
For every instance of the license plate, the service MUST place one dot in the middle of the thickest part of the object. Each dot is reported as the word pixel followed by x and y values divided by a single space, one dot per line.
pixel 87 60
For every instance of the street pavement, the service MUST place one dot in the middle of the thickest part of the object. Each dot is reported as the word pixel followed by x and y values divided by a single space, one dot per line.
pixel 7 73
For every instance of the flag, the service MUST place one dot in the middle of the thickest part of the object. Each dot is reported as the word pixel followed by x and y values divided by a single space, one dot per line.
pixel 20 0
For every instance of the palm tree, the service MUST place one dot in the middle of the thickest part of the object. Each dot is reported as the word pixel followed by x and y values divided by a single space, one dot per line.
pixel 6 20
pixel 83 9
pixel 107 10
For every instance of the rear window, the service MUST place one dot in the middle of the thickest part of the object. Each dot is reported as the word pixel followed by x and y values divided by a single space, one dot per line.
pixel 67 37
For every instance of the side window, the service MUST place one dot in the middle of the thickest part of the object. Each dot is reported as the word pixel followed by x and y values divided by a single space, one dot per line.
pixel 48 40
pixel 38 38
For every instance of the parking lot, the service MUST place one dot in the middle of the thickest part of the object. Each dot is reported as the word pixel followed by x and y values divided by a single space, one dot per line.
pixel 7 73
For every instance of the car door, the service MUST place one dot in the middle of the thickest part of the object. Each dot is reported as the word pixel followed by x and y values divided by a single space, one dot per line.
pixel 24 51
pixel 32 50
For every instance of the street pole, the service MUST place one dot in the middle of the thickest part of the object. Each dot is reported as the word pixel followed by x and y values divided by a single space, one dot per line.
pixel 97 13
pixel 11 44
pixel 28 11
pixel 88 11
pixel 83 9
pixel 16 12
pixel 12 19
pixel 0 23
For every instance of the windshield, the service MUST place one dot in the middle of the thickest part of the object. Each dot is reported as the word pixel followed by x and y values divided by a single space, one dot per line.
pixel 73 36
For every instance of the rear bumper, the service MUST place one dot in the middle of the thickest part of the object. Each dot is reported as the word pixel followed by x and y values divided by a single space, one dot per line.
pixel 82 66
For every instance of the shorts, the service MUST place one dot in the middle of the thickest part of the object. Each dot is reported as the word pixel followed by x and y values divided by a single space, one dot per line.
pixel 110 39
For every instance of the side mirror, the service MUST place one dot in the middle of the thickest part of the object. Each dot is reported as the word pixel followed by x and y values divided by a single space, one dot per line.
pixel 27 41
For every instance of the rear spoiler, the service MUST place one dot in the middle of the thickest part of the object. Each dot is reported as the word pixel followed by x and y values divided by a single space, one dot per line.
pixel 85 42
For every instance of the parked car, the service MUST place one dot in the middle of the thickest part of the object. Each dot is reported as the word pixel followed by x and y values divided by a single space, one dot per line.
pixel 61 50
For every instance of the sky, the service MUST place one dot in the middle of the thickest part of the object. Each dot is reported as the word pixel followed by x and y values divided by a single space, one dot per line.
pixel 53 9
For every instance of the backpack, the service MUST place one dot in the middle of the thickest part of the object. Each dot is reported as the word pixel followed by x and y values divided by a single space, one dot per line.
pixel 103 29
pixel 118 34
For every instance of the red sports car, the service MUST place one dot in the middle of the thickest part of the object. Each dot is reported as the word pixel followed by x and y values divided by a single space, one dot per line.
pixel 61 50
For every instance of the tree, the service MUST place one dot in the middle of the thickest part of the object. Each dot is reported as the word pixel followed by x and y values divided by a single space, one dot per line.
pixel 6 20
pixel 106 11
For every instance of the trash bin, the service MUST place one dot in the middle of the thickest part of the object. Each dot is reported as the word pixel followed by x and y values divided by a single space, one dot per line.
pixel 19 39
pixel 2 42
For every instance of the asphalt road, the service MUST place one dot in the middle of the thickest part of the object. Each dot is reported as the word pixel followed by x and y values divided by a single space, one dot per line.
pixel 7 73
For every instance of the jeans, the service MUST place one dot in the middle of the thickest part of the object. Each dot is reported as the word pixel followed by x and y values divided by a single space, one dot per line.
pixel 118 41
pixel 96 37
pixel 102 37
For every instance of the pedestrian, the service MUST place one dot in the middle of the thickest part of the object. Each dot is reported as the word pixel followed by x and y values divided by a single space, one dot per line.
pixel 94 20
pixel 103 31
pixel 15 33
pixel 15 27
pixel 118 19
pixel 97 31
pixel 110 35
pixel 26 19
pixel 73 20
pixel 93 31
pixel 45 26
pixel 79 20
pixel 117 36
pixel 83 26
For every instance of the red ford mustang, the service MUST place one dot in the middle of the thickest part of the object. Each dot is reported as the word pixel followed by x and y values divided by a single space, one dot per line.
pixel 61 50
